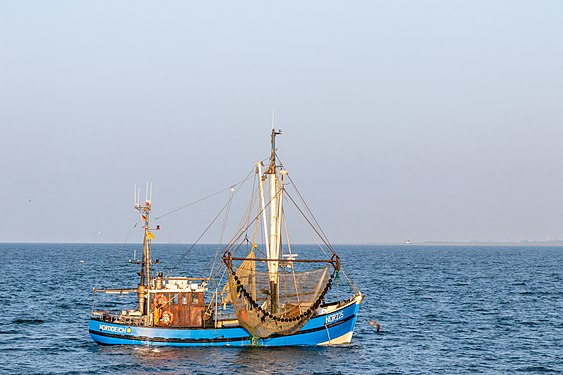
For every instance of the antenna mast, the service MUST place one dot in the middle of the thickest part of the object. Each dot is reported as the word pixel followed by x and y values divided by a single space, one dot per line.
pixel 144 284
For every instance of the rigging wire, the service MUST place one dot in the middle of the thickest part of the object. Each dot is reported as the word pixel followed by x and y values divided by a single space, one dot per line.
pixel 204 198
pixel 314 224
pixel 225 207
pixel 311 213
pixel 102 275
pixel 242 224
pixel 252 201
pixel 130 232
pixel 199 238
pixel 343 271
pixel 325 241
pixel 229 203
pixel 243 231
pixel 324 237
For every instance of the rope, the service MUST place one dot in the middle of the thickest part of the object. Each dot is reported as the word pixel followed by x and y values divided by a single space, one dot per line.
pixel 350 282
pixel 229 203
pixel 328 334
pixel 214 270
pixel 320 234
pixel 227 206
pixel 204 198
pixel 291 256
pixel 199 238
pixel 324 236
pixel 102 275
pixel 243 231
pixel 129 235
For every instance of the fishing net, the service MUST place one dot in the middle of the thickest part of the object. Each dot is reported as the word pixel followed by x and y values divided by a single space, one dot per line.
pixel 299 295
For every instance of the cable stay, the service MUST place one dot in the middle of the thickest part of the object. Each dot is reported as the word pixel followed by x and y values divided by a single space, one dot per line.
pixel 205 198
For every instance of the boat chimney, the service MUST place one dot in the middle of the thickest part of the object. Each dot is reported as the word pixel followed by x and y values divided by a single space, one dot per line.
pixel 141 292
pixel 158 282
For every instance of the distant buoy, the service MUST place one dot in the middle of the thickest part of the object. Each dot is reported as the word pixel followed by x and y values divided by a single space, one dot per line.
pixel 376 325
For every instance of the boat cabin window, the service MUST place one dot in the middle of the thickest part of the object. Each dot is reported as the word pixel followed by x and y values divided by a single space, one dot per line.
pixel 195 299
pixel 174 299
pixel 184 299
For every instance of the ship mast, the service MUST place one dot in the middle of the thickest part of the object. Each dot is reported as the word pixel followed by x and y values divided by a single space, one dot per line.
pixel 144 284
pixel 275 220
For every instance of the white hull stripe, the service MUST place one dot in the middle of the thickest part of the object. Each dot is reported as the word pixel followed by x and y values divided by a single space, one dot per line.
pixel 344 339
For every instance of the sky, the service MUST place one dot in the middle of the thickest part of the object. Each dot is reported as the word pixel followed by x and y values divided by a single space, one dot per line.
pixel 424 120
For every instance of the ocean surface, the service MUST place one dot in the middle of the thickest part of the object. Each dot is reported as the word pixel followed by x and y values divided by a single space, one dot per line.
pixel 442 310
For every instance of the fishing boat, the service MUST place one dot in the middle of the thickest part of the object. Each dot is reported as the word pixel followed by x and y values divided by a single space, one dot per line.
pixel 264 292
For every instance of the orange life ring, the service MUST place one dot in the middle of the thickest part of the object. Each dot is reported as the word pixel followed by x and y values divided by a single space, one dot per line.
pixel 166 318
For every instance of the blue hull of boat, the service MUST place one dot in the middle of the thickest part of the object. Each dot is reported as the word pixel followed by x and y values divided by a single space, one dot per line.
pixel 331 328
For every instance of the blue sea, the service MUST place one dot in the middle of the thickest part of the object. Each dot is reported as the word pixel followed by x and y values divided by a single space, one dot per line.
pixel 442 310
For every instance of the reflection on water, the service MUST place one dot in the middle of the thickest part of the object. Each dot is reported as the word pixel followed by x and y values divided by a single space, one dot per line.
pixel 283 360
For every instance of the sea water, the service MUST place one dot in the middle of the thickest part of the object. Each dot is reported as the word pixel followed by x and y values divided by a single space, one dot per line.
pixel 441 309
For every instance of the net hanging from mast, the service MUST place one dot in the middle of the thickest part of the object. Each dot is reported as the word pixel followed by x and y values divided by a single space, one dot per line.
pixel 299 295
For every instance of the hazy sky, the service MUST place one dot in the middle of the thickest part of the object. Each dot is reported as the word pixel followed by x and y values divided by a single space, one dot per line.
pixel 421 120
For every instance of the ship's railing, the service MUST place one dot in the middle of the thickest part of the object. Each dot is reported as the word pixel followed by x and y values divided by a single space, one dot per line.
pixel 104 315
pixel 115 291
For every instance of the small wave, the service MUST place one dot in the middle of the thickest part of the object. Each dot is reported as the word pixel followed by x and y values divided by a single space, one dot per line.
pixel 9 332
pixel 536 369
pixel 28 321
